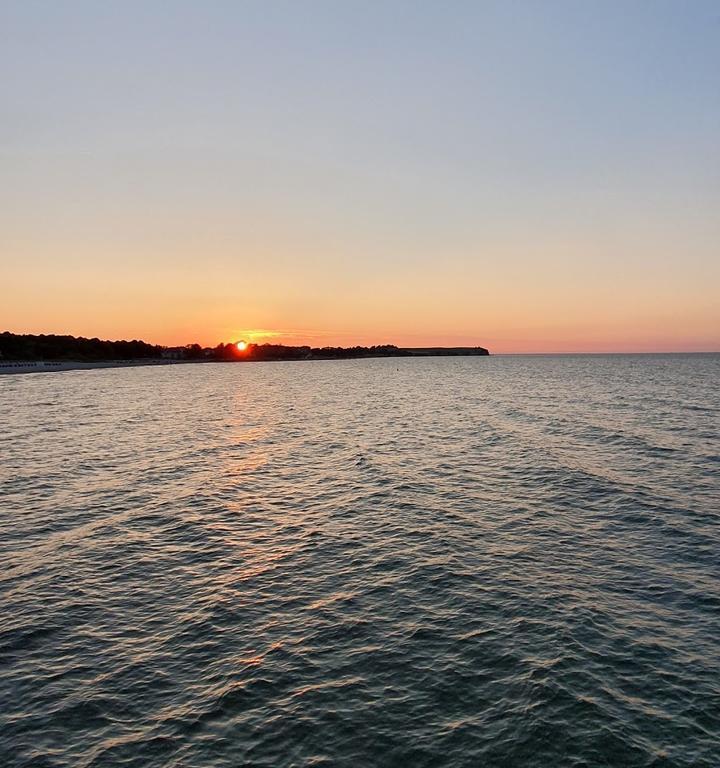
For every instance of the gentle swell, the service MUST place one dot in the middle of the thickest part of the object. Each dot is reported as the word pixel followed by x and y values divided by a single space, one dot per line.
pixel 436 562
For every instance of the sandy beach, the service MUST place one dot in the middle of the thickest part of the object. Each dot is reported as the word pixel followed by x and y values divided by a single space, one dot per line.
pixel 55 366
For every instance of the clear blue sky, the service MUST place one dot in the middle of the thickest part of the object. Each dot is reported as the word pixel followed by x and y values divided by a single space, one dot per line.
pixel 528 175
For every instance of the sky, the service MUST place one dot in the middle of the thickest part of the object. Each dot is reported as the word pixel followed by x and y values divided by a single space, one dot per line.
pixel 526 176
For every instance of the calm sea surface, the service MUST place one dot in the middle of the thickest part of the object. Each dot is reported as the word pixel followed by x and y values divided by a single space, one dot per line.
pixel 508 561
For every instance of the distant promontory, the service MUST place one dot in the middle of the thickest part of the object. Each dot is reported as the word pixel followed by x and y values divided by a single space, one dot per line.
pixel 50 347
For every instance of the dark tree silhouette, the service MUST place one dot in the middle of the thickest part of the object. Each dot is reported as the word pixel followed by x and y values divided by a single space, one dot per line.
pixel 15 346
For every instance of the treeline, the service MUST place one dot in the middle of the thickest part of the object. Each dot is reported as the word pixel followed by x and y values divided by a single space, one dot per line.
pixel 283 352
pixel 26 346
pixel 14 346
pixel 380 350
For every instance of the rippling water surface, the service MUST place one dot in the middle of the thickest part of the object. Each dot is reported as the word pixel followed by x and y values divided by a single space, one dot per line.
pixel 432 562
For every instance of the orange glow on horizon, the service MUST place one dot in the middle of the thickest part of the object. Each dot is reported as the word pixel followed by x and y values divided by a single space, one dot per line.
pixel 507 323
pixel 273 205
pixel 512 340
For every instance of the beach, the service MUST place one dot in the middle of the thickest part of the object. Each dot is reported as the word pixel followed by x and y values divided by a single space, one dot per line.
pixel 55 366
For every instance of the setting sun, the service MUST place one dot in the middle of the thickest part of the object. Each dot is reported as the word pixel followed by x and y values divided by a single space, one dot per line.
pixel 241 345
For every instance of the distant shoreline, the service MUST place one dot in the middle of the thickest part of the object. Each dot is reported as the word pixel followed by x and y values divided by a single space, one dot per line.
pixel 23 353
pixel 57 366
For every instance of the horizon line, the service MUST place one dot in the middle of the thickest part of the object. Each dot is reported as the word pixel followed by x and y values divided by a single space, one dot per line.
pixel 346 345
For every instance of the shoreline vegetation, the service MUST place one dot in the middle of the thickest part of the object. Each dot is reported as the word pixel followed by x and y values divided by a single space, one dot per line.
pixel 26 353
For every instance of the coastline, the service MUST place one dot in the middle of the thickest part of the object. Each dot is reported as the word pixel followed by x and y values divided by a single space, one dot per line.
pixel 57 366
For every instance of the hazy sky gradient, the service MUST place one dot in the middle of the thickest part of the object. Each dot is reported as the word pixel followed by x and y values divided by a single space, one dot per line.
pixel 529 176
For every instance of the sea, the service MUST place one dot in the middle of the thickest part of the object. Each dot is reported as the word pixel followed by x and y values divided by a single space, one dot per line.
pixel 501 561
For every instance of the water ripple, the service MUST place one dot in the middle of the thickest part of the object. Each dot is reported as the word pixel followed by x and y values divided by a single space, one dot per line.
pixel 432 562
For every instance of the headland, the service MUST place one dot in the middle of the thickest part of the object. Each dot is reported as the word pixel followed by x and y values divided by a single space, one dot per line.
pixel 30 353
